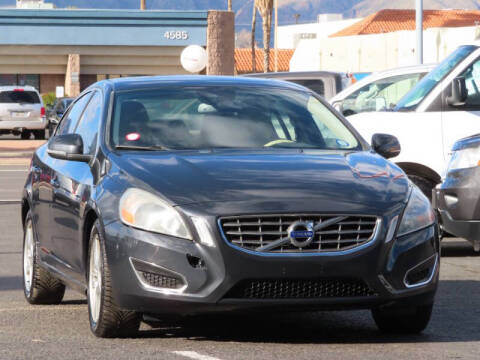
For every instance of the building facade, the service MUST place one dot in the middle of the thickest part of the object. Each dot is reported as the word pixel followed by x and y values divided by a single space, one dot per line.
pixel 74 48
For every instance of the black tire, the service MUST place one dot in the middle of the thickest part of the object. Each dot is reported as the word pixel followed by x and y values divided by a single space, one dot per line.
pixel 423 184
pixel 112 321
pixel 39 134
pixel 412 320
pixel 44 289
pixel 25 135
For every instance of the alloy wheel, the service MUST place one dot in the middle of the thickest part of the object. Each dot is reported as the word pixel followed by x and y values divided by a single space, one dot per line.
pixel 95 279
pixel 28 254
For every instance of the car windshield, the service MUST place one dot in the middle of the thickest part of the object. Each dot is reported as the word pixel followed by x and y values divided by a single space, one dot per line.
pixel 206 117
pixel 19 96
pixel 413 98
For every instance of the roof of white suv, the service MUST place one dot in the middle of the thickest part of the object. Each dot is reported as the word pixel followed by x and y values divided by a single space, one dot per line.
pixel 404 70
pixel 15 87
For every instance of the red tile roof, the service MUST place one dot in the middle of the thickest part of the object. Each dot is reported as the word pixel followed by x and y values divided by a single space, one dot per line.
pixel 243 60
pixel 390 20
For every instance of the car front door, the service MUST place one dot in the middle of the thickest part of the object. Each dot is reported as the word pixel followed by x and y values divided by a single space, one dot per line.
pixel 462 120
pixel 75 182
pixel 51 170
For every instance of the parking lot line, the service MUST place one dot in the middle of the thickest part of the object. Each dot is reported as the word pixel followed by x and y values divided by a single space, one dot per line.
pixel 194 355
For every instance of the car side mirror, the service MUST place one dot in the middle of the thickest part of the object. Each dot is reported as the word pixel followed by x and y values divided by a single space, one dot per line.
pixel 67 147
pixel 338 105
pixel 459 92
pixel 386 145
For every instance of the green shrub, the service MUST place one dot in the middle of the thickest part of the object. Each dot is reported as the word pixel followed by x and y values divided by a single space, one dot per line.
pixel 49 98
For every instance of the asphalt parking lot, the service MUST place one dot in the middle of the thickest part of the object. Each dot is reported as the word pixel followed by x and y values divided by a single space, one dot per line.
pixel 62 331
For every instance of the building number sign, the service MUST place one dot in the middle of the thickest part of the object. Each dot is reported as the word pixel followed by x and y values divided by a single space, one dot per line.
pixel 176 35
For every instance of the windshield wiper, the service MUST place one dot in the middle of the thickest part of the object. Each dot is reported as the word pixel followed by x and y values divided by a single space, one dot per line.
pixel 141 148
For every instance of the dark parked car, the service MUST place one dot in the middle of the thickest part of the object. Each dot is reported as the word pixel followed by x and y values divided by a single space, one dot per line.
pixel 56 112
pixel 324 83
pixel 456 199
pixel 194 194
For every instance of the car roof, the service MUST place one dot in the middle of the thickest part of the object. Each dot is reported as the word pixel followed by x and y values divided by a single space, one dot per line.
pixel 295 74
pixel 14 87
pixel 404 70
pixel 152 82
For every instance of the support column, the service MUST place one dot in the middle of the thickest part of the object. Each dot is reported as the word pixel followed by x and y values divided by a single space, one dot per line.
pixel 72 77
pixel 221 43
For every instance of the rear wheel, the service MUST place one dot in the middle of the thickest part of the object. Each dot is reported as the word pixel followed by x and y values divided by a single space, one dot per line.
pixel 39 286
pixel 106 318
pixel 423 184
pixel 39 134
pixel 408 320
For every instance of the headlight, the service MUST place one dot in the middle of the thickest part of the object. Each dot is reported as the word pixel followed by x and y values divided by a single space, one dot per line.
pixel 145 211
pixel 417 215
pixel 464 158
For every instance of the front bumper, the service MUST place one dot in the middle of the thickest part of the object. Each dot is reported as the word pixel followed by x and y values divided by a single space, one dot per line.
pixel 215 272
pixel 457 202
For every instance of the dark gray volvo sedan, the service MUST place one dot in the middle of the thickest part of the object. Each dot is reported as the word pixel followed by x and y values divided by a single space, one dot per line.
pixel 184 195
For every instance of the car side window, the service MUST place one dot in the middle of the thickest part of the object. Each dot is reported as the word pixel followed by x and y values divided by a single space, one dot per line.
pixel 315 85
pixel 89 124
pixel 59 107
pixel 380 95
pixel 472 82
pixel 70 120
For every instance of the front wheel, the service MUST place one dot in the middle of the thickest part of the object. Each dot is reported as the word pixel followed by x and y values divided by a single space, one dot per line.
pixel 408 320
pixel 39 134
pixel 106 318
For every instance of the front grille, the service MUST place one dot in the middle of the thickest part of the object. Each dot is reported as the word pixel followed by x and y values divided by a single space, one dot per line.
pixel 300 289
pixel 255 231
pixel 161 281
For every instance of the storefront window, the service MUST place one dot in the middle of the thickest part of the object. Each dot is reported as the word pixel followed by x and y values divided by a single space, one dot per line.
pixel 20 80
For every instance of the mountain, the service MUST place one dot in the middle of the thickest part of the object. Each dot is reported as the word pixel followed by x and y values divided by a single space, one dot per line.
pixel 288 9
pixel 307 9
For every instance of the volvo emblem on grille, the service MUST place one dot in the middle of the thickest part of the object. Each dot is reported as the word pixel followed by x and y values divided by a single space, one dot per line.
pixel 301 233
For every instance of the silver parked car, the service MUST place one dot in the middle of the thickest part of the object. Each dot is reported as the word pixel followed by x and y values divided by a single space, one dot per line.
pixel 22 112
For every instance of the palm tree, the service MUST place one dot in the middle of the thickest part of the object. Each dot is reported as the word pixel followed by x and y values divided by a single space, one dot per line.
pixel 265 8
pixel 252 42
pixel 143 4
pixel 229 5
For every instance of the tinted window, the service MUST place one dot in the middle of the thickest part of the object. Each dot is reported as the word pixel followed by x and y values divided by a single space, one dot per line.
pixel 415 96
pixel 315 85
pixel 472 82
pixel 226 117
pixel 25 97
pixel 89 123
pixel 70 120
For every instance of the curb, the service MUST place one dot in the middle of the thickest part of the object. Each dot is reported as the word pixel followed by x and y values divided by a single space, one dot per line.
pixel 17 154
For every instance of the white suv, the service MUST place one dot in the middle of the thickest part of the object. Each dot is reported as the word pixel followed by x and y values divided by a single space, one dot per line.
pixel 22 112
pixel 442 108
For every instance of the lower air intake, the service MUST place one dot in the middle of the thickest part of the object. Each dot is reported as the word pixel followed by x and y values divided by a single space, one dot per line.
pixel 300 289
pixel 161 281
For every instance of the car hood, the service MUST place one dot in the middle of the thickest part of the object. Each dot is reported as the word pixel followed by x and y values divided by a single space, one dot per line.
pixel 359 181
